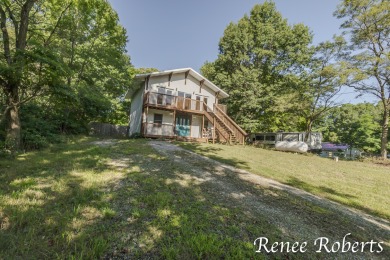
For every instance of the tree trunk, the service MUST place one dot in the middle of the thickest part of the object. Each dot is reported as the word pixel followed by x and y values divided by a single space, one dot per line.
pixel 13 137
pixel 385 131
pixel 11 90
pixel 309 127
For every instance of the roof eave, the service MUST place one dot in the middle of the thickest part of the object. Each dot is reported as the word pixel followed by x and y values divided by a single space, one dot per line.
pixel 222 94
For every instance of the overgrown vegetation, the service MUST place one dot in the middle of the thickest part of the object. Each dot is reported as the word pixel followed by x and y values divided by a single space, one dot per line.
pixel 63 64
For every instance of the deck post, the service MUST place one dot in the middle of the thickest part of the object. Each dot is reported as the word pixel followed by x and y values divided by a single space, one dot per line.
pixel 174 122
pixel 213 133
pixel 201 130
pixel 145 120
pixel 142 119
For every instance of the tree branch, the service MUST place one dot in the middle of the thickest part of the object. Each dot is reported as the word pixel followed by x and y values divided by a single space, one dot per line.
pixel 13 19
pixel 47 42
pixel 3 25
pixel 24 20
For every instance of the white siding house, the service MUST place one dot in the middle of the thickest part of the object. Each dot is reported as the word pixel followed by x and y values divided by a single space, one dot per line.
pixel 180 103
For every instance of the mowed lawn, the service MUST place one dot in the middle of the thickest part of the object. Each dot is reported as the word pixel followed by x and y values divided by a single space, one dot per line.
pixel 362 185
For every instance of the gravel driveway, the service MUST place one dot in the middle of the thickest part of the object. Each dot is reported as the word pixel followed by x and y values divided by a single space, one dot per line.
pixel 300 215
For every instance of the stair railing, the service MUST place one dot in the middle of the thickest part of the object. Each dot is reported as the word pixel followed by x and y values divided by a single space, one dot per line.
pixel 239 133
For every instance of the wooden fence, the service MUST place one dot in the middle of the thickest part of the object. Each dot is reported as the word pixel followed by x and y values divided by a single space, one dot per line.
pixel 102 129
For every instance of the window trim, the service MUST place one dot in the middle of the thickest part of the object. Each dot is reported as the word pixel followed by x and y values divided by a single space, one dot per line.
pixel 157 122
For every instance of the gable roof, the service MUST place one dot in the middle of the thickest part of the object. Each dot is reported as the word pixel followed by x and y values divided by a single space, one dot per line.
pixel 193 73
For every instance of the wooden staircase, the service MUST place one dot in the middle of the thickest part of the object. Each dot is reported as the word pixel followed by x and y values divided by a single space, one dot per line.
pixel 226 130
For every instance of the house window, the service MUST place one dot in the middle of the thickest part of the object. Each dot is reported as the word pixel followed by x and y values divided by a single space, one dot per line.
pixel 160 96
pixel 270 138
pixel 197 103
pixel 158 119
pixel 180 100
pixel 187 101
pixel 169 98
pixel 204 106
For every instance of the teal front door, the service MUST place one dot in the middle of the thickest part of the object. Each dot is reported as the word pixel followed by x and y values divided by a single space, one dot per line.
pixel 183 125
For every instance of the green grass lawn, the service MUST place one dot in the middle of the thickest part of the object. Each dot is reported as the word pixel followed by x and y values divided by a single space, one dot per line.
pixel 85 201
pixel 362 185
pixel 79 200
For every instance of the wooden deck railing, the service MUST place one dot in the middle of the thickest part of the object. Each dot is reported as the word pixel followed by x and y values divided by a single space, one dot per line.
pixel 223 131
pixel 224 127
pixel 171 101
pixel 222 107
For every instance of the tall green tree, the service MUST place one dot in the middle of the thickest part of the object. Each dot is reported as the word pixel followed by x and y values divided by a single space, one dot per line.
pixel 66 55
pixel 93 47
pixel 259 63
pixel 367 22
pixel 321 82
pixel 16 56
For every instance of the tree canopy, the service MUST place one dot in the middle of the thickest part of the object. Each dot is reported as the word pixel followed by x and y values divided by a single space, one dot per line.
pixel 66 58
pixel 367 23
pixel 275 78
pixel 357 125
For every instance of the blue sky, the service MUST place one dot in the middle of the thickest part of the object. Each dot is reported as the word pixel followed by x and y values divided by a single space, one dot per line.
pixel 174 34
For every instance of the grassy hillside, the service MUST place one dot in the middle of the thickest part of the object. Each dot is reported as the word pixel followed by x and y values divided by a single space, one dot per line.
pixel 363 185
pixel 119 199
pixel 90 200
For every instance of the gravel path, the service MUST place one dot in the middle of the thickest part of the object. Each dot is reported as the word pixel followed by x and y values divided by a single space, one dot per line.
pixel 299 214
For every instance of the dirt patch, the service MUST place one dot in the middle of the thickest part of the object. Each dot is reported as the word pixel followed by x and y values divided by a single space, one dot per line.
pixel 105 142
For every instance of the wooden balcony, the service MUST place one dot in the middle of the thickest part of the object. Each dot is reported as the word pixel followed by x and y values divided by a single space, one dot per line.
pixel 170 102
pixel 224 128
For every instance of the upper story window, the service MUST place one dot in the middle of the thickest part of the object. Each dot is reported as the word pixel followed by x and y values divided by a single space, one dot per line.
pixel 197 104
pixel 160 95
pixel 169 97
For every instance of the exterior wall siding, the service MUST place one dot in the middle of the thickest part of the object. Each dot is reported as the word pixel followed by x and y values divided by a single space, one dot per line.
pixel 167 116
pixel 165 129
pixel 177 84
pixel 136 112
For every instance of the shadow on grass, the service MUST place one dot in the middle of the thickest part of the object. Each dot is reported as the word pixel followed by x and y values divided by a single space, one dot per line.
pixel 126 200
pixel 210 152
pixel 194 197
pixel 329 193
pixel 51 206
pixel 326 191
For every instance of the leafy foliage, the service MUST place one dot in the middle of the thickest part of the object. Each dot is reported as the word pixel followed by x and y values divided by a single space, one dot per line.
pixel 356 125
pixel 321 82
pixel 73 67
pixel 367 22
pixel 259 63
